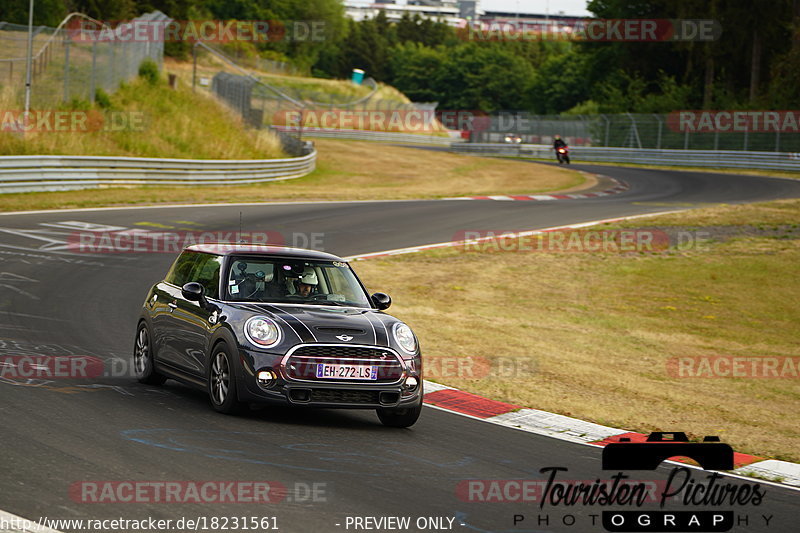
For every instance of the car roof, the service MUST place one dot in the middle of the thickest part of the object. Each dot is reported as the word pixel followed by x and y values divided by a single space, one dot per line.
pixel 262 250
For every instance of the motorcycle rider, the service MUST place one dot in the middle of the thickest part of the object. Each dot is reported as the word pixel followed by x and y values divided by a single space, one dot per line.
pixel 558 142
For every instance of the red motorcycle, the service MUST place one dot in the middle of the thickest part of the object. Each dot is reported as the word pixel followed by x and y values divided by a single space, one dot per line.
pixel 562 154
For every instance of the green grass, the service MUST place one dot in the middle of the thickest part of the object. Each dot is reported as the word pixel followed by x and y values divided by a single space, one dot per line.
pixel 600 328
pixel 342 174
pixel 174 124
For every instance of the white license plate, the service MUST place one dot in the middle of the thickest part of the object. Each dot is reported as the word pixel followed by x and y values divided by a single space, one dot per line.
pixel 326 371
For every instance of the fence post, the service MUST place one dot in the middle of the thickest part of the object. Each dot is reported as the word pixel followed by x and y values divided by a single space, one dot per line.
pixel 67 43
pixel 660 126
pixel 194 66
pixel 94 71
pixel 608 127
pixel 112 86
pixel 686 139
pixel 777 139
pixel 746 131
pixel 716 139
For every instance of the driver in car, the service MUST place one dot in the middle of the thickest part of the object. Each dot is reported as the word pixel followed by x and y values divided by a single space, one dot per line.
pixel 306 284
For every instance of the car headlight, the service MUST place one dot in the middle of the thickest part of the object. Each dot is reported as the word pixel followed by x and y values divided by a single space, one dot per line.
pixel 405 338
pixel 262 331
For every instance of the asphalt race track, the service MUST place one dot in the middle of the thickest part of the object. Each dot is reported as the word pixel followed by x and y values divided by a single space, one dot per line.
pixel 57 434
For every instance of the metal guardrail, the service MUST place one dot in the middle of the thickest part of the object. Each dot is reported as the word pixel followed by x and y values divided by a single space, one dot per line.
pixel 59 173
pixel 684 158
pixel 366 135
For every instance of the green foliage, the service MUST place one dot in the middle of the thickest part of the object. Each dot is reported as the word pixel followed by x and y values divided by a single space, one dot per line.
pixel 560 83
pixel 46 12
pixel 489 77
pixel 149 71
pixel 78 104
pixel 101 99
pixel 589 107
pixel 754 63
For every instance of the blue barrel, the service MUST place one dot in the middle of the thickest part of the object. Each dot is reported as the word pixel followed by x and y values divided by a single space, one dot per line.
pixel 358 76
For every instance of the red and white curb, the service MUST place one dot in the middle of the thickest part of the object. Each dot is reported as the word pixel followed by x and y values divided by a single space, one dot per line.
pixel 579 431
pixel 782 473
pixel 620 186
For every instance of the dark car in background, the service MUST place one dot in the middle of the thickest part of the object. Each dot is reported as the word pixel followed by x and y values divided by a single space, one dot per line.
pixel 261 324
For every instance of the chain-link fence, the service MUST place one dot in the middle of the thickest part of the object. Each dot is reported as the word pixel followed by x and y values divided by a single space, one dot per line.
pixel 73 60
pixel 731 130
pixel 295 104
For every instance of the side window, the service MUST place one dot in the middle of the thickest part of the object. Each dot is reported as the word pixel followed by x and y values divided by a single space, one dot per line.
pixel 339 284
pixel 181 270
pixel 206 272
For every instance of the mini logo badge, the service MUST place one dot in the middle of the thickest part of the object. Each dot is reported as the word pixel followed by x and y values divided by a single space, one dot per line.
pixel 344 337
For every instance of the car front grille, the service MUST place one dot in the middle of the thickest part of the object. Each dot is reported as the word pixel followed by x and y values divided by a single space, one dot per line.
pixel 302 363
pixel 342 351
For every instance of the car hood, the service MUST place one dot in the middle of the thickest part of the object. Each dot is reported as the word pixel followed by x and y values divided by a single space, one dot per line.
pixel 329 324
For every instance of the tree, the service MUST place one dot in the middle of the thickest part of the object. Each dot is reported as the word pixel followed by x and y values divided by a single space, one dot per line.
pixel 46 13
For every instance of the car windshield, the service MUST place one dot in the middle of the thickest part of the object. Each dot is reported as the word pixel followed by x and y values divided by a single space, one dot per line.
pixel 274 280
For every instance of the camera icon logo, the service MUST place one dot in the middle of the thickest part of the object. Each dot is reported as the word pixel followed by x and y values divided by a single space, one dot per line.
pixel 711 454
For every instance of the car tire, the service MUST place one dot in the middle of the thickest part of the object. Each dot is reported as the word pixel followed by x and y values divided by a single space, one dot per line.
pixel 222 382
pixel 144 358
pixel 402 417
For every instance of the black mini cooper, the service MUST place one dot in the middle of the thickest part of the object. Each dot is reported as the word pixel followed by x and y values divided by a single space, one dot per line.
pixel 261 324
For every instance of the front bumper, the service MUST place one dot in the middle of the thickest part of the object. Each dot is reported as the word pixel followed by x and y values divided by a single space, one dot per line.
pixel 344 394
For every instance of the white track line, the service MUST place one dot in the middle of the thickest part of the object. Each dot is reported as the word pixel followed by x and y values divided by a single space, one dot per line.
pixel 412 249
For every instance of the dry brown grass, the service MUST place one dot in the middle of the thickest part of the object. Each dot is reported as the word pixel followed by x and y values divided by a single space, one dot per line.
pixel 347 170
pixel 741 171
pixel 776 212
pixel 600 328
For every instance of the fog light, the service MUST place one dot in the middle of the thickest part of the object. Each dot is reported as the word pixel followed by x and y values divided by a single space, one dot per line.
pixel 266 378
pixel 412 383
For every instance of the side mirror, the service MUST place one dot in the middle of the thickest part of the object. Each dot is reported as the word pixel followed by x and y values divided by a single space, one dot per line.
pixel 382 301
pixel 193 291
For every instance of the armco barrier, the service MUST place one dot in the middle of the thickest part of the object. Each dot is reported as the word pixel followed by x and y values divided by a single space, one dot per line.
pixel 59 173
pixel 686 158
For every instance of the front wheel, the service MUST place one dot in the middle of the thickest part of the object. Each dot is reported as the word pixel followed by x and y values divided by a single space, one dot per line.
pixel 143 358
pixel 222 382
pixel 401 418
pixel 566 159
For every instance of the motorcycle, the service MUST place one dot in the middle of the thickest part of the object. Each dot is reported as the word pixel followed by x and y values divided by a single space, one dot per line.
pixel 562 154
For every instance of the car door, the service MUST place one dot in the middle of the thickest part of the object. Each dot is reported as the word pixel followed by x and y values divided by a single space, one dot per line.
pixel 166 295
pixel 193 323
